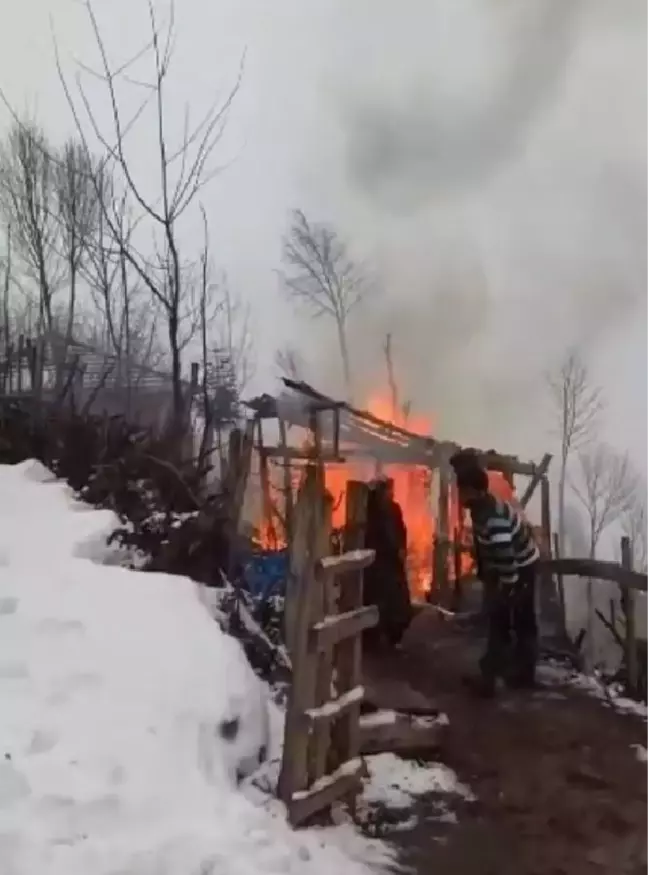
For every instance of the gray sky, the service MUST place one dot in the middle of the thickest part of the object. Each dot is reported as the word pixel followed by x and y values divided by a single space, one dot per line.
pixel 486 157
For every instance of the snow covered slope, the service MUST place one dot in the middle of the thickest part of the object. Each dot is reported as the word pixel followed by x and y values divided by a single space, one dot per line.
pixel 126 715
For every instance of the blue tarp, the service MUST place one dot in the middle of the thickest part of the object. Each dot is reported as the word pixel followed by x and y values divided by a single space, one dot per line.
pixel 266 573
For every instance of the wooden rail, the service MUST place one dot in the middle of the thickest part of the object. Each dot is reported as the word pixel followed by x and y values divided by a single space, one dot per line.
pixel 598 569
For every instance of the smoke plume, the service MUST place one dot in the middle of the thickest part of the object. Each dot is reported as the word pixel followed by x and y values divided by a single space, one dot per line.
pixel 489 164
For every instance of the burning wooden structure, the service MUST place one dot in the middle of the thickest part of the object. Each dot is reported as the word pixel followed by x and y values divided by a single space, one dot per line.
pixel 356 445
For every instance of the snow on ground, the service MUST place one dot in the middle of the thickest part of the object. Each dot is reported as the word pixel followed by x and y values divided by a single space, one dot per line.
pixel 395 783
pixel 126 715
pixel 610 695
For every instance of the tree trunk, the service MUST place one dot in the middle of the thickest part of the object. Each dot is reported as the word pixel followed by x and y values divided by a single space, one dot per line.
pixel 344 354
pixel 589 625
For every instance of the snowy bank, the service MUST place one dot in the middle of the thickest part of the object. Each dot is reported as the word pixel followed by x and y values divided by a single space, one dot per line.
pixel 127 715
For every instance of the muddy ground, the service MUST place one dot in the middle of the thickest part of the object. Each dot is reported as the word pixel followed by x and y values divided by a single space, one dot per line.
pixel 559 788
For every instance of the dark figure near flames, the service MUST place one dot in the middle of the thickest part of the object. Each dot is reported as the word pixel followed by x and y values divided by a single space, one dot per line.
pixel 507 561
pixel 385 580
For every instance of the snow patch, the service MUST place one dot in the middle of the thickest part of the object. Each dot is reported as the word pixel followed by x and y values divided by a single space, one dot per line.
pixel 396 783
pixel 592 686
pixel 114 688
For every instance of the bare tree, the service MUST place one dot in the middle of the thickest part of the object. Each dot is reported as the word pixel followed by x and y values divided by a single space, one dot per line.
pixel 607 491
pixel 577 405
pixel 28 205
pixel 321 275
pixel 78 215
pixel 127 323
pixel 232 334
pixel 183 171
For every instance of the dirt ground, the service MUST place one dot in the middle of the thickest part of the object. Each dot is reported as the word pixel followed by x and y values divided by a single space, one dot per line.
pixel 559 789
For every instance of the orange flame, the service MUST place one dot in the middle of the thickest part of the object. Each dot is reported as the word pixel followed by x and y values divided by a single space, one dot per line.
pixel 412 491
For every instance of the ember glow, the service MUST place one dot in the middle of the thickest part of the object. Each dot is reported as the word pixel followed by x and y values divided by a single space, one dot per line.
pixel 412 490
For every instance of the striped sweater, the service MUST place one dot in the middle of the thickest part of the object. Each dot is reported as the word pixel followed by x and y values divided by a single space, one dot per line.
pixel 504 541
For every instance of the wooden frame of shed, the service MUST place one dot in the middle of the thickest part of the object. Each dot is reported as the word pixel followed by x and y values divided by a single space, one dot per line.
pixel 347 433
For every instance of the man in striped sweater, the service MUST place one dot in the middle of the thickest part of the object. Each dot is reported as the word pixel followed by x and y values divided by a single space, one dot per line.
pixel 507 559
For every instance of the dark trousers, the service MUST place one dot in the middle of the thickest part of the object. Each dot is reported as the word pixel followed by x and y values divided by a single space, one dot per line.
pixel 512 629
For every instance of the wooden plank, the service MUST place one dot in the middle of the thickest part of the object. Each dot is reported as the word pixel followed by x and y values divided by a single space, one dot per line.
pixel 348 660
pixel 540 472
pixel 307 455
pixel 301 593
pixel 324 607
pixel 507 464
pixel 630 640
pixel 336 708
pixel 389 731
pixel 598 569
pixel 287 484
pixel 353 560
pixel 344 781
pixel 332 630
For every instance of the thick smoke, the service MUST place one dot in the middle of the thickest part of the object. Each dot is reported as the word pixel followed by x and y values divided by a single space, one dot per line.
pixel 491 165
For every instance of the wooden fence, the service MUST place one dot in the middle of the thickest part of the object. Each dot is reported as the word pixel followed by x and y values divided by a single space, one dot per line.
pixel 321 762
pixel 630 582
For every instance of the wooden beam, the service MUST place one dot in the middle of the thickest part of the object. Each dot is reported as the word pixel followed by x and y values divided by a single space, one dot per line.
pixel 598 569
pixel 325 792
pixel 328 632
pixel 540 472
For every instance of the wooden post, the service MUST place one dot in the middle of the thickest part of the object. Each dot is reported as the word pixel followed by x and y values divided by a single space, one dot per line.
pixel 628 602
pixel 322 606
pixel 442 539
pixel 546 596
pixel 348 657
pixel 287 484
pixel 300 591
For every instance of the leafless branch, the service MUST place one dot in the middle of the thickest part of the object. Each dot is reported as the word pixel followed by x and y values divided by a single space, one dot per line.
pixel 170 278
pixel 606 489
pixel 27 194
pixel 578 404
